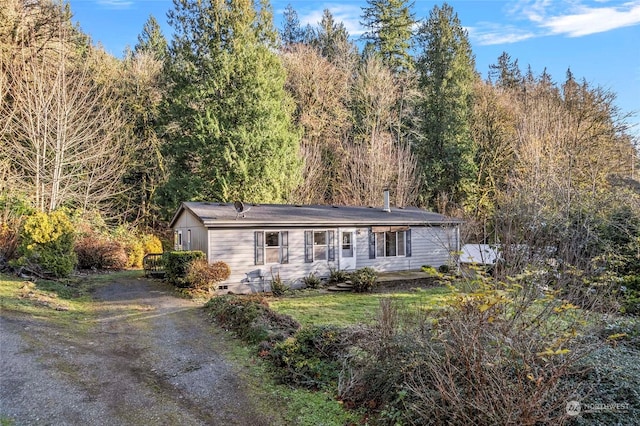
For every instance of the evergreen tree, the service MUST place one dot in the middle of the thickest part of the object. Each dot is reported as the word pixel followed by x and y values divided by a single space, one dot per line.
pixel 332 38
pixel 228 119
pixel 446 69
pixel 389 24
pixel 151 40
pixel 291 32
pixel 506 73
pixel 142 90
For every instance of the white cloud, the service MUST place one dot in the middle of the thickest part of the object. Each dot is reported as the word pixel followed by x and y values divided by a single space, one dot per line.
pixel 539 18
pixel 349 15
pixel 485 34
pixel 591 20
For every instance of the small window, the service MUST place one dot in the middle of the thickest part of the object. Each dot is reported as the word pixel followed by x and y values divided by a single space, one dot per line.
pixel 188 239
pixel 320 245
pixel 271 247
pixel 177 240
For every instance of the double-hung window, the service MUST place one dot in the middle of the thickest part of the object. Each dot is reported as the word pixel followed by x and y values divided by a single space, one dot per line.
pixel 319 245
pixel 271 247
pixel 389 243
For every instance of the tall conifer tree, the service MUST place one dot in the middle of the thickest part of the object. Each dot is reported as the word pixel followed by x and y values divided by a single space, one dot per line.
pixel 446 69
pixel 389 24
pixel 229 132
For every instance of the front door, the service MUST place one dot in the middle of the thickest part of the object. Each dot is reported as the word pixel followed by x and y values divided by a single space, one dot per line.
pixel 347 249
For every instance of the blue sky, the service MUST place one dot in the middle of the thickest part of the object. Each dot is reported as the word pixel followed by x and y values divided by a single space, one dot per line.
pixel 598 39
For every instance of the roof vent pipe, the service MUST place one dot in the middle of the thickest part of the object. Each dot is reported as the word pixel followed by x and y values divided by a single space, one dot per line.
pixel 386 207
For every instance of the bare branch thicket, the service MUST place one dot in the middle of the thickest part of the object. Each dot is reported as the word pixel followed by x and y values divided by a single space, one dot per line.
pixel 320 90
pixel 376 158
pixel 64 134
pixel 557 195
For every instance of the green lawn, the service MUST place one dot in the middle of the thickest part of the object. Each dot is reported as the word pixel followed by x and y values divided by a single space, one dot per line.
pixel 351 308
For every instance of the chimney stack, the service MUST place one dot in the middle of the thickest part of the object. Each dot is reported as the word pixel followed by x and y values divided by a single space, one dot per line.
pixel 387 207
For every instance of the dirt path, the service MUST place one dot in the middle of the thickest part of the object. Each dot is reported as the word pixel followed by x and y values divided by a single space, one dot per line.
pixel 149 359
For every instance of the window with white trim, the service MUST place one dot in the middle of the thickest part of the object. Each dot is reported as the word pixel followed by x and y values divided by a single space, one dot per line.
pixel 271 247
pixel 390 243
pixel 319 245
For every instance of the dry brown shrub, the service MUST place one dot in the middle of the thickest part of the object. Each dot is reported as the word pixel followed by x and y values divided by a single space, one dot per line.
pixel 204 276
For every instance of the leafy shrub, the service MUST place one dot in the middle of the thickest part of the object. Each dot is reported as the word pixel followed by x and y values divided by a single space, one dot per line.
pixel 444 269
pixel 201 275
pixel 251 319
pixel 338 276
pixel 278 287
pixel 310 358
pixel 151 244
pixel 363 279
pixel 176 264
pixel 100 252
pixel 135 253
pixel 430 270
pixel 631 294
pixel 8 242
pixel 13 211
pixel 132 243
pixel 46 245
pixel 312 281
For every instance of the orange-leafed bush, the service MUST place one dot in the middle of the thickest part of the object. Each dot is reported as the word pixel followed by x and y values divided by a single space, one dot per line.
pixel 8 241
pixel 99 252
pixel 204 276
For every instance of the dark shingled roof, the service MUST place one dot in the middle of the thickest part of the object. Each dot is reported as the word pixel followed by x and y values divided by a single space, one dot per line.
pixel 224 215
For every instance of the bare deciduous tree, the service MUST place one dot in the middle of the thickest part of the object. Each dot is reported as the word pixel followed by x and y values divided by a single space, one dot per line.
pixel 62 131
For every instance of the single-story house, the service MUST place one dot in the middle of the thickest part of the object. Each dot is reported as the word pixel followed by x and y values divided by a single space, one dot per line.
pixel 260 242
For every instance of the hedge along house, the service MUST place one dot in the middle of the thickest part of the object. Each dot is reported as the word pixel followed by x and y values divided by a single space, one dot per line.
pixel 294 241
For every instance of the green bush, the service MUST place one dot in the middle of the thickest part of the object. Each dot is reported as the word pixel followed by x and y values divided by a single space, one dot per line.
pixel 201 275
pixel 363 279
pixel 337 276
pixel 630 294
pixel 251 319
pixel 312 281
pixel 100 252
pixel 444 269
pixel 278 286
pixel 176 265
pixel 46 245
pixel 311 358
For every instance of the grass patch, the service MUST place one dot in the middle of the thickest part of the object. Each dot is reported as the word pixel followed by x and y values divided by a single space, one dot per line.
pixel 57 301
pixel 343 309
pixel 280 403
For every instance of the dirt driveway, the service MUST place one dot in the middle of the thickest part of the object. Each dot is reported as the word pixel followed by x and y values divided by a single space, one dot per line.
pixel 148 359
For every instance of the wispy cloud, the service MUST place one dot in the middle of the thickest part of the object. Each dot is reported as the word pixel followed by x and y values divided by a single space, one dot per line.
pixel 348 14
pixel 116 4
pixel 539 18
pixel 590 20
pixel 487 33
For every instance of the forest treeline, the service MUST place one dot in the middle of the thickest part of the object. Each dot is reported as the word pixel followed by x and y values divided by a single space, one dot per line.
pixel 233 108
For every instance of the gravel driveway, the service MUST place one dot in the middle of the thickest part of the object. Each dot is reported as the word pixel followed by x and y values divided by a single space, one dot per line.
pixel 160 365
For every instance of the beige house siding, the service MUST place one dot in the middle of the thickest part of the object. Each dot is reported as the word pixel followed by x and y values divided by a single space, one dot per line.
pixel 236 247
pixel 190 227
pixel 429 246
